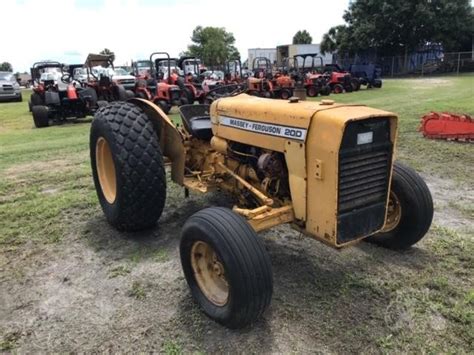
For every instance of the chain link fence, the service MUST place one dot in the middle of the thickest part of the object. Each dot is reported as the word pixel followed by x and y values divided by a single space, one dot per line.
pixel 418 64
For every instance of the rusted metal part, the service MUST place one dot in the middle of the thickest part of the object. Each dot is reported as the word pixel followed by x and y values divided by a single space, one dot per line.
pixel 257 193
pixel 448 126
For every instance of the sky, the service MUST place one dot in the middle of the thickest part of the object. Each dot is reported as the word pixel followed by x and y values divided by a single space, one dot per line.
pixel 67 30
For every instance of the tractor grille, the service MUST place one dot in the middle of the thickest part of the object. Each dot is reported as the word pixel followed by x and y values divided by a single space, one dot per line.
pixel 363 179
pixel 364 172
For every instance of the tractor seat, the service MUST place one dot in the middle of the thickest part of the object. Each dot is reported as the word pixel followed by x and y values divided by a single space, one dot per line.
pixel 196 121
pixel 104 80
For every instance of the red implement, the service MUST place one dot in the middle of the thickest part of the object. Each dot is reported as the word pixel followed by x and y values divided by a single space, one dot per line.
pixel 447 126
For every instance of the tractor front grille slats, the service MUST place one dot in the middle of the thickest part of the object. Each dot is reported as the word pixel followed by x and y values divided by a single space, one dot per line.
pixel 363 180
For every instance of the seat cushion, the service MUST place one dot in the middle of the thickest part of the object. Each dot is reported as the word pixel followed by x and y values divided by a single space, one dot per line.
pixel 201 127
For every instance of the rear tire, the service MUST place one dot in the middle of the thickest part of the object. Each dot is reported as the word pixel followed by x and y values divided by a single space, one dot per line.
pixel 226 267
pixel 141 95
pixel 40 116
pixel 122 94
pixel 165 107
pixel 36 99
pixel 411 222
pixel 102 103
pixel 189 95
pixel 127 166
pixel 355 84
pixel 183 101
pixel 326 90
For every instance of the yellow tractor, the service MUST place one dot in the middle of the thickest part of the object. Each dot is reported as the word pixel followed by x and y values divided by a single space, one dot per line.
pixel 327 169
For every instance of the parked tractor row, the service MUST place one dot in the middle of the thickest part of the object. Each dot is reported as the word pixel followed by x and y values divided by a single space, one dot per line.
pixel 63 91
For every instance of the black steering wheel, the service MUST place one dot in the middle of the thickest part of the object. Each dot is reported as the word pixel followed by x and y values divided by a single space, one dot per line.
pixel 66 78
pixel 226 91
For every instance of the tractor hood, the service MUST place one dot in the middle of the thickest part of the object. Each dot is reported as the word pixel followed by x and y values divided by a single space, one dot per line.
pixel 269 123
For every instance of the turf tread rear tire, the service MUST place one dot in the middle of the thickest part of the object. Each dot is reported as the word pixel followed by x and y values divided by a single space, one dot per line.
pixel 417 210
pixel 246 262
pixel 140 172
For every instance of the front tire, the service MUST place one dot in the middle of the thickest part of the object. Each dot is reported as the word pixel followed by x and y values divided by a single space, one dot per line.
pixel 127 167
pixel 312 91
pixel 226 266
pixel 285 94
pixel 338 89
pixel 40 116
pixel 410 211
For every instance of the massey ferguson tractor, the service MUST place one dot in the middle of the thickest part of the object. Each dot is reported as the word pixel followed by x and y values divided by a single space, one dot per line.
pixel 327 169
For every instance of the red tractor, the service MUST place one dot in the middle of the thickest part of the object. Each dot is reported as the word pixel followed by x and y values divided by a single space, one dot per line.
pixel 314 82
pixel 192 85
pixel 341 80
pixel 283 85
pixel 162 88
pixel 101 78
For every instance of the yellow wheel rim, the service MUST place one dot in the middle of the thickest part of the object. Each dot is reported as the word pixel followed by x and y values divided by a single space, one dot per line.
pixel 106 170
pixel 209 273
pixel 394 213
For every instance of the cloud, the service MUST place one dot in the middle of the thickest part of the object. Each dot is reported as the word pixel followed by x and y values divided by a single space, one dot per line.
pixel 67 30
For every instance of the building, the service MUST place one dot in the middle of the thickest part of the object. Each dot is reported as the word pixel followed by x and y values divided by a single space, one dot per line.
pixel 290 50
pixel 270 53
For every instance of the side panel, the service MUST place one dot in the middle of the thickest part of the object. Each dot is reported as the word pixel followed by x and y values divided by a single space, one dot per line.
pixel 295 156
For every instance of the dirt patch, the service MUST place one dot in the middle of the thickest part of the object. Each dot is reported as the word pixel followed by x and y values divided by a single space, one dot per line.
pixel 448 195
pixel 429 82
pixel 102 290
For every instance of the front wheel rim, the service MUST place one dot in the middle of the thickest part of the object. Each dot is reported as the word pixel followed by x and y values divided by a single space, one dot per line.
pixel 106 170
pixel 209 273
pixel 394 213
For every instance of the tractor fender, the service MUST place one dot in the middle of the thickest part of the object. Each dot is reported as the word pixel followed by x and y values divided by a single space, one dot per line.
pixel 171 140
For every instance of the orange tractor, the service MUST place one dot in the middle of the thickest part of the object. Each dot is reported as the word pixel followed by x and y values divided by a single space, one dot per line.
pixel 162 89
pixel 260 84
